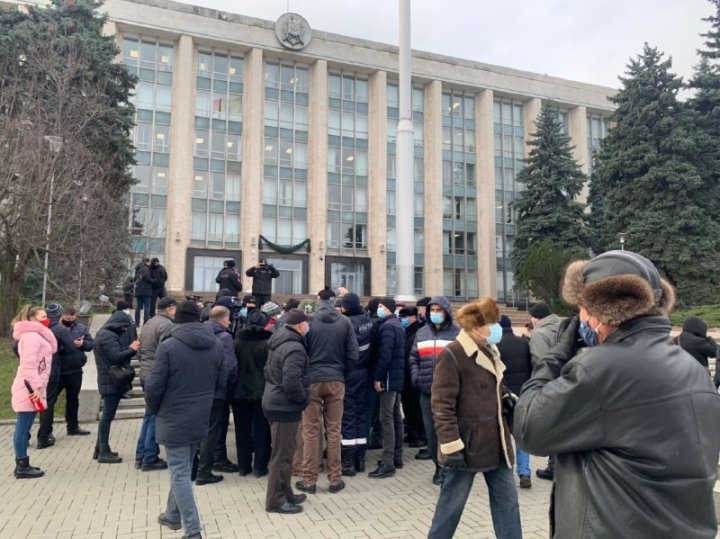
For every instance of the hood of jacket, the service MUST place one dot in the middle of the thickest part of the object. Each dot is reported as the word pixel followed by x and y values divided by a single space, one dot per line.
pixel 440 301
pixel 194 335
pixel 29 326
pixel 118 322
pixel 695 326
pixel 326 312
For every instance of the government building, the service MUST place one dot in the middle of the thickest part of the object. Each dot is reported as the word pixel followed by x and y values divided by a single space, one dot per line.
pixel 260 139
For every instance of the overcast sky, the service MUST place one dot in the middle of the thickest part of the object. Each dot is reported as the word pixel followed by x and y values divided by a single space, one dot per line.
pixel 585 40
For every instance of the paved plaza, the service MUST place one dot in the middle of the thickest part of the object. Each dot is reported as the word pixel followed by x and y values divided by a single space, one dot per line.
pixel 81 499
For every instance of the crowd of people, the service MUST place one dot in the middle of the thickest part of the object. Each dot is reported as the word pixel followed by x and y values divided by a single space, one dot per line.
pixel 630 419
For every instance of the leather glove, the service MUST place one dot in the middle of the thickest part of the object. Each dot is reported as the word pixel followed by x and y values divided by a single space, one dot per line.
pixel 455 460
pixel 567 343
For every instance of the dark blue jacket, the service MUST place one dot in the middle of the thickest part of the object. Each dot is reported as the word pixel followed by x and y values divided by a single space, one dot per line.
pixel 391 354
pixel 65 347
pixel 143 281
pixel 111 350
pixel 366 334
pixel 429 342
pixel 287 380
pixel 179 389
pixel 515 355
pixel 72 361
pixel 231 368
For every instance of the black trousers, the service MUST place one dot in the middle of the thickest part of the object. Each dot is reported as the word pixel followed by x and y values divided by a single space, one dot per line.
pixel 252 434
pixel 71 383
pixel 413 416
pixel 262 298
pixel 207 449
pixel 157 294
pixel 279 485
pixel 221 439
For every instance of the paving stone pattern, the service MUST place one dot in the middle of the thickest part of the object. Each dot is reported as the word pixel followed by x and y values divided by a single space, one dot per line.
pixel 81 499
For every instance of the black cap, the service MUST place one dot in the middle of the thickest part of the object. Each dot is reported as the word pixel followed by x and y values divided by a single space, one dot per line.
pixel 249 298
pixel 540 311
pixel 166 303
pixel 422 302
pixel 408 311
pixel 389 303
pixel 296 316
pixel 350 301
pixel 122 305
pixel 505 322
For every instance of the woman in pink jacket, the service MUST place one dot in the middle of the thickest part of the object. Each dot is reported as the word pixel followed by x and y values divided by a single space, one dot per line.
pixel 36 345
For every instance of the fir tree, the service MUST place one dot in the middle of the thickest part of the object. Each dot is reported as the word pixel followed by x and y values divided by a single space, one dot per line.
pixel 648 181
pixel 547 208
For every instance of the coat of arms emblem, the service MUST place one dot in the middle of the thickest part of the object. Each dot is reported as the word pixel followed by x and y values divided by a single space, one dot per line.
pixel 292 31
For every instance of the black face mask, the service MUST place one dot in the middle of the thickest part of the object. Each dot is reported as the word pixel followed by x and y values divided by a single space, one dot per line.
pixel 67 323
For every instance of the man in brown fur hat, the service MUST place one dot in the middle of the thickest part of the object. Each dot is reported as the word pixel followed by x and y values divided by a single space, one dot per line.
pixel 634 419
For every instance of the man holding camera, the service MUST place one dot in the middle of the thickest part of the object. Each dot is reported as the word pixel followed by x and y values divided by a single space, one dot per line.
pixel 262 275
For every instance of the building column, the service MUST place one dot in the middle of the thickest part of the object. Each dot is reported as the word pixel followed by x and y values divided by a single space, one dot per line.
pixel 182 132
pixel 531 110
pixel 317 174
pixel 485 148
pixel 433 232
pixel 377 183
pixel 577 129
pixel 252 161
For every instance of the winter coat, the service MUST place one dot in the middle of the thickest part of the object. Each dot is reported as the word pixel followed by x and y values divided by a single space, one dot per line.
pixel 251 349
pixel 75 360
pixel 366 334
pixel 287 380
pixel 225 338
pixel 391 354
pixel 635 424
pixel 187 373
pixel 228 279
pixel 159 277
pixel 36 345
pixel 153 332
pixel 466 404
pixel 410 333
pixel 333 345
pixel 110 350
pixel 515 355
pixel 544 336
pixel 262 279
pixel 143 281
pixel 65 350
pixel 429 342
pixel 694 340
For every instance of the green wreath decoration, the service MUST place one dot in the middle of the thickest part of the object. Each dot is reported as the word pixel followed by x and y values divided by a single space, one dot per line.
pixel 283 249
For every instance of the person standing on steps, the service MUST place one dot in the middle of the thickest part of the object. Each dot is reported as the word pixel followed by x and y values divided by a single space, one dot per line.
pixel 228 278
pixel 143 292
pixel 36 345
pixel 262 275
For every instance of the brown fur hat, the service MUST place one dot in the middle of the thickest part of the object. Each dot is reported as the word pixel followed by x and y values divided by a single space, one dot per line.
pixel 618 286
pixel 478 313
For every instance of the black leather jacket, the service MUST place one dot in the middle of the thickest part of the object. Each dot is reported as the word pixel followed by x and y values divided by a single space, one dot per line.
pixel 635 423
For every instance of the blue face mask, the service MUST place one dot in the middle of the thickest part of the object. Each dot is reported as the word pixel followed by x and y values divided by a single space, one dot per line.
pixel 243 312
pixel 381 313
pixel 437 318
pixel 495 334
pixel 588 334
pixel 405 322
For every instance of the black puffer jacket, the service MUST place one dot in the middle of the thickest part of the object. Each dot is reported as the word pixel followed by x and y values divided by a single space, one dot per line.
pixel 110 350
pixel 73 361
pixel 187 373
pixel 251 349
pixel 333 345
pixel 66 347
pixel 635 424
pixel 390 367
pixel 262 279
pixel 515 354
pixel 228 279
pixel 694 340
pixel 287 383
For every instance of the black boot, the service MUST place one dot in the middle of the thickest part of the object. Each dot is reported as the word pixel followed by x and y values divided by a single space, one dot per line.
pixel 360 458
pixel 96 453
pixel 438 476
pixel 348 461
pixel 23 470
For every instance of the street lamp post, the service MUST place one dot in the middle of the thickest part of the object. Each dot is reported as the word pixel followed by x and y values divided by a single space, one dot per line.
pixel 621 235
pixel 55 145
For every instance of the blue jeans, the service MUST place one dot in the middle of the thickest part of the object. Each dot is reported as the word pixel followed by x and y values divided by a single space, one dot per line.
pixel 22 429
pixel 110 406
pixel 144 304
pixel 147 449
pixel 181 505
pixel 522 461
pixel 455 491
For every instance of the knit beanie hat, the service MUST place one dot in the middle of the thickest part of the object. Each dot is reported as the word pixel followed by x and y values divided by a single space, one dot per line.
pixel 505 322
pixel 187 311
pixel 540 311
pixel 389 303
pixel 54 310
pixel 270 308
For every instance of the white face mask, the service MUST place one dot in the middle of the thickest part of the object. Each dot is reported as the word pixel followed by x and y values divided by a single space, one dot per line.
pixel 127 312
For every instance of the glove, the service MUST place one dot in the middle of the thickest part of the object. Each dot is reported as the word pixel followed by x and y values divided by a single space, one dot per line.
pixel 455 460
pixel 567 343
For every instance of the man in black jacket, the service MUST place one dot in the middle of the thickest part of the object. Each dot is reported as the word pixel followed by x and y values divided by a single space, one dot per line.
pixel 515 355
pixel 159 277
pixel 262 275
pixel 187 373
pixel 287 393
pixel 143 291
pixel 410 395
pixel 333 353
pixel 65 373
pixel 228 278
pixel 633 419
pixel 695 341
